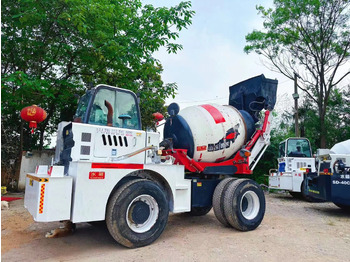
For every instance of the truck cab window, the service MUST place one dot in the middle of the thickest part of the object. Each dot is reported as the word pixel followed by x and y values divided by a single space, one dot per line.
pixel 113 107
pixel 298 148
pixel 281 150
pixel 99 110
pixel 127 111
pixel 82 107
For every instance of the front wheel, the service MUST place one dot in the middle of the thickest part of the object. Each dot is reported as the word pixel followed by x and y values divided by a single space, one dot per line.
pixel 244 204
pixel 137 213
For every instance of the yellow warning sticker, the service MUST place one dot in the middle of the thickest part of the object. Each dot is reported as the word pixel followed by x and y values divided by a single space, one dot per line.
pixel 42 194
pixel 39 179
pixel 314 191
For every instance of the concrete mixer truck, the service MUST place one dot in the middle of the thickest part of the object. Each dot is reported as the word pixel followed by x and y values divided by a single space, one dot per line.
pixel 106 168
pixel 331 180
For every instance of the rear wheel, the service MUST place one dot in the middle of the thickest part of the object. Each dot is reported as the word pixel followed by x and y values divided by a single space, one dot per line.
pixel 307 197
pixel 218 200
pixel 297 195
pixel 200 211
pixel 137 213
pixel 244 204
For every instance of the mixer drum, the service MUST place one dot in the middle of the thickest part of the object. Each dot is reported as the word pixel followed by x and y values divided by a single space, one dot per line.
pixel 210 133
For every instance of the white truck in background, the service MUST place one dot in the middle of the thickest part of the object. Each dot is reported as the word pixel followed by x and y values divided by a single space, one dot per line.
pixel 294 158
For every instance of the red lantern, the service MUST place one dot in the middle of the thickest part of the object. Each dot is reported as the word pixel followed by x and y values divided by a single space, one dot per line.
pixel 33 114
pixel 158 117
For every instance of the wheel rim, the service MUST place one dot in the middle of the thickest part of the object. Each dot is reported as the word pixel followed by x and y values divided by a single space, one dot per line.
pixel 142 213
pixel 250 205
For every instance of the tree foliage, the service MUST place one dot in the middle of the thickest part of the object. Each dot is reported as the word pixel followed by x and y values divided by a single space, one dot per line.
pixel 311 38
pixel 337 119
pixel 52 50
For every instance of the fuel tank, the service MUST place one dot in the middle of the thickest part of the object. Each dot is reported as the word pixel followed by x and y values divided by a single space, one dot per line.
pixel 211 132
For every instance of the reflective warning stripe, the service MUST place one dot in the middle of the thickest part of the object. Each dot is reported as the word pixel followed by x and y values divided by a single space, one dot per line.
pixel 117 166
pixel 42 194
pixel 215 113
pixel 39 179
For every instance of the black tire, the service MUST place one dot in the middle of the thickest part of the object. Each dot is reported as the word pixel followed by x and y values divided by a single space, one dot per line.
pixel 199 211
pixel 137 213
pixel 307 197
pixel 218 200
pixel 297 195
pixel 344 207
pixel 244 204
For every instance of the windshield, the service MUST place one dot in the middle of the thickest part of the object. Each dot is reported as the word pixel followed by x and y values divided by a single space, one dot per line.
pixel 298 148
pixel 115 107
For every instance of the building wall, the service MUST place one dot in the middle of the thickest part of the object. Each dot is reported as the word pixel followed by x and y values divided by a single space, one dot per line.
pixel 29 162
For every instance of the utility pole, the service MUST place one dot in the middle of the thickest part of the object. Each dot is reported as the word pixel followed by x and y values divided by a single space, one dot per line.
pixel 296 97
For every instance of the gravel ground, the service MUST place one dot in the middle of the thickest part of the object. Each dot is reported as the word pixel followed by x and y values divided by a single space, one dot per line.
pixel 292 230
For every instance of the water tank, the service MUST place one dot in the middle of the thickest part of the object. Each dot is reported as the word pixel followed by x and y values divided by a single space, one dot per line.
pixel 211 132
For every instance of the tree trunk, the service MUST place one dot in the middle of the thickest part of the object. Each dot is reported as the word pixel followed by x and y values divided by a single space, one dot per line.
pixel 322 107
pixel 323 133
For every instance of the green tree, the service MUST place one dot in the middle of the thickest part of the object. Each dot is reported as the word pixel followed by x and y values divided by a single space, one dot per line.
pixel 52 50
pixel 310 38
pixel 337 119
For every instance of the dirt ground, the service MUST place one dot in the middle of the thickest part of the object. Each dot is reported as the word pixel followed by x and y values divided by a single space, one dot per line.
pixel 292 230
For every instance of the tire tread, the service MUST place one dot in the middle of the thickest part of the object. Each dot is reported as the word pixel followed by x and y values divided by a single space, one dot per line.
pixel 232 206
pixel 218 204
pixel 228 207
pixel 109 219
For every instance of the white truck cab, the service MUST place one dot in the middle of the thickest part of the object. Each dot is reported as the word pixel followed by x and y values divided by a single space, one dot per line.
pixel 97 153
pixel 294 157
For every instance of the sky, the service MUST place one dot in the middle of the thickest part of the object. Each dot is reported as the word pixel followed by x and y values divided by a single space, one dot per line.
pixel 212 58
